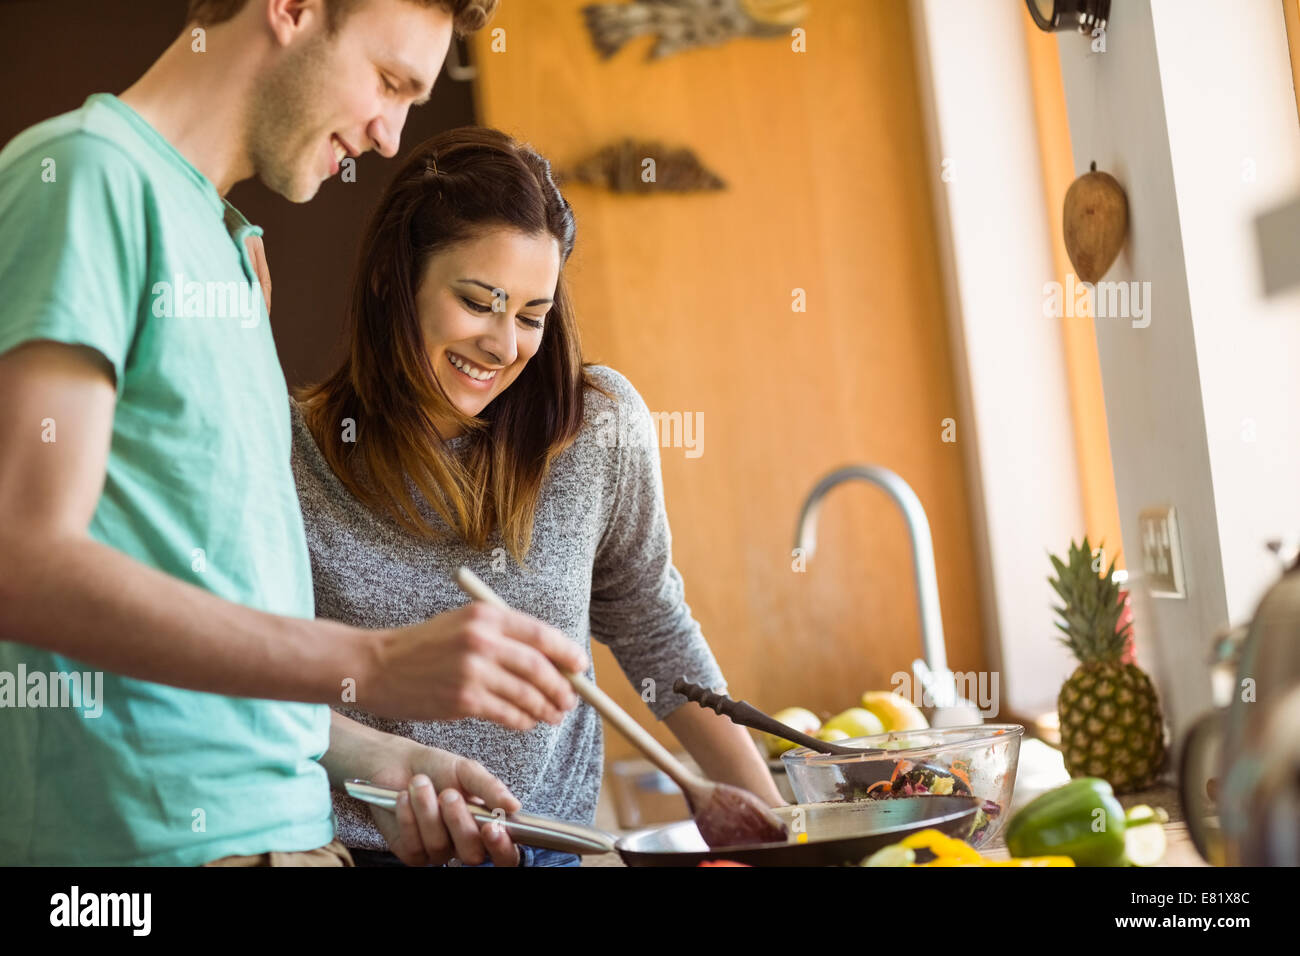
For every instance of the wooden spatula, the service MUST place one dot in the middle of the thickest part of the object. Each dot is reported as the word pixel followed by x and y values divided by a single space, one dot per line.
pixel 725 815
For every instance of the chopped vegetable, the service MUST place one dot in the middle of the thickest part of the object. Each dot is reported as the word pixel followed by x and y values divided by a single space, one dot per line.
pixel 1144 835
pixel 893 855
pixel 942 846
pixel 948 851
pixel 913 780
pixel 1081 820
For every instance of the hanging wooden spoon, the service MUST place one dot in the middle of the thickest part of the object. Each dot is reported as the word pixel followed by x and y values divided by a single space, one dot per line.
pixel 725 815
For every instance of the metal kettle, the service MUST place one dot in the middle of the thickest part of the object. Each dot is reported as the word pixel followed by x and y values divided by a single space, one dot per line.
pixel 1249 751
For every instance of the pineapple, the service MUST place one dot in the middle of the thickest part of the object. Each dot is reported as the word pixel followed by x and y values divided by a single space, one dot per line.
pixel 1111 726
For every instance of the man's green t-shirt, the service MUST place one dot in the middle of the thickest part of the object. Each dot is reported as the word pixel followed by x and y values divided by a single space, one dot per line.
pixel 110 238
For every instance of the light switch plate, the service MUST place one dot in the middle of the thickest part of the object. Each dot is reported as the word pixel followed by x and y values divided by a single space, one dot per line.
pixel 1276 231
pixel 1162 559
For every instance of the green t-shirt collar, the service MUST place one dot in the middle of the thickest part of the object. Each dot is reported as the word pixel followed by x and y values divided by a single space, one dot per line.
pixel 163 146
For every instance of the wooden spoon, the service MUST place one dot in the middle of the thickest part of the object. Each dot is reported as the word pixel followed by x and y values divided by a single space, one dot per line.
pixel 725 815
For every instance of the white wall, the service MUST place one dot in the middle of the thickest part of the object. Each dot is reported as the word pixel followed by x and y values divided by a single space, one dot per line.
pixel 1186 91
pixel 1016 424
pixel 1235 143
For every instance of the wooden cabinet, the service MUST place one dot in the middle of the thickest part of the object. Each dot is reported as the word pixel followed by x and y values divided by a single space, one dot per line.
pixel 691 297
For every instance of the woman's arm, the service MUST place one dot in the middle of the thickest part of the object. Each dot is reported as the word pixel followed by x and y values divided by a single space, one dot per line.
pixel 639 609
pixel 725 751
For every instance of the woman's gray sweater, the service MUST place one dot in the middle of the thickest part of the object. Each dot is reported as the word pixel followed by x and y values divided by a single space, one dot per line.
pixel 600 566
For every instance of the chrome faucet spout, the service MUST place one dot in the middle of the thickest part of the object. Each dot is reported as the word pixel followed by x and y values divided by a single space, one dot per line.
pixel 932 673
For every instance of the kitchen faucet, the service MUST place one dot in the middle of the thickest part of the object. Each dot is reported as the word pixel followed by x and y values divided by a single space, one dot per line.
pixel 931 673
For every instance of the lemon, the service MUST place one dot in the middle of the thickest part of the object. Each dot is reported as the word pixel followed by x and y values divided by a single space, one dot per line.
pixel 831 734
pixel 855 722
pixel 895 711
pixel 780 13
pixel 797 717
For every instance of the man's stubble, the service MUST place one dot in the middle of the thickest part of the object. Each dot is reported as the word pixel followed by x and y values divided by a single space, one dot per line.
pixel 287 126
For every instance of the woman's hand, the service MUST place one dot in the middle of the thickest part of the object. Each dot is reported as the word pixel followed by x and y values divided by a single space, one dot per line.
pixel 431 823
pixel 257 252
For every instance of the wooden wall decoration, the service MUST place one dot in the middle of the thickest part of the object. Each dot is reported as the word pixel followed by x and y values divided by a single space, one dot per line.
pixel 685 24
pixel 1094 223
pixel 643 166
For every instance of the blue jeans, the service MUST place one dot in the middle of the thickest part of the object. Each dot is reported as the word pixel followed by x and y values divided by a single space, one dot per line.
pixel 538 856
pixel 528 856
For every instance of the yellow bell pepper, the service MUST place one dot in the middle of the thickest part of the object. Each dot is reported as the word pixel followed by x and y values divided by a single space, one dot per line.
pixel 949 851
pixel 942 846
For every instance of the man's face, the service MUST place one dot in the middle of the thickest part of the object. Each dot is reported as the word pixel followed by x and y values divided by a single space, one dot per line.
pixel 331 96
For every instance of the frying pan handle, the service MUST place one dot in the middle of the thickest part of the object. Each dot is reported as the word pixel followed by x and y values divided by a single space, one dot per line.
pixel 523 828
pixel 749 716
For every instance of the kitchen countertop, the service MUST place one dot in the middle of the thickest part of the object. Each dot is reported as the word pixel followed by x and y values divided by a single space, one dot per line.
pixel 1180 852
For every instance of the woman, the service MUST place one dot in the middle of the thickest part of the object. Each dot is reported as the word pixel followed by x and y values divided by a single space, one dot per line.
pixel 463 428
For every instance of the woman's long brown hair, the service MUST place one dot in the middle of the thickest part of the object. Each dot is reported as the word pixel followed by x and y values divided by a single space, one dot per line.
pixel 451 188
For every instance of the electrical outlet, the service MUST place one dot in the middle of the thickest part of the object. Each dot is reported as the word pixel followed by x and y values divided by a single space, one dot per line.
pixel 1162 559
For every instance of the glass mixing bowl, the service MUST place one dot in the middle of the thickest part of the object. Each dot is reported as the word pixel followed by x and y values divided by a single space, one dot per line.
pixel 979 760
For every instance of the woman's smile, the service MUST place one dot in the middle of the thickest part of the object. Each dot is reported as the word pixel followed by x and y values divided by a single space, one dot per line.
pixel 472 374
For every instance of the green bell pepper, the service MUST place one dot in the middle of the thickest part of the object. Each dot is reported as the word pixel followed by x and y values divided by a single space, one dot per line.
pixel 1081 820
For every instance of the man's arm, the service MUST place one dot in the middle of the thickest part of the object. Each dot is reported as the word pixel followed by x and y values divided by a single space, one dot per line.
pixel 63 591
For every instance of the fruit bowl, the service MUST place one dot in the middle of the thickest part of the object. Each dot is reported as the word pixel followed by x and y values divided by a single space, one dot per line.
pixel 979 760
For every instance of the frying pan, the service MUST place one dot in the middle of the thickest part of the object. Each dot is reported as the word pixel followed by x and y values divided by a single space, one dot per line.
pixel 836 833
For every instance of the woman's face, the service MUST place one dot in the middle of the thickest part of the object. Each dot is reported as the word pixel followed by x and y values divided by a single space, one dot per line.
pixel 483 304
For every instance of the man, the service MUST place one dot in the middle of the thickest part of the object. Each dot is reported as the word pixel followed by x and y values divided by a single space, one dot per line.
pixel 149 526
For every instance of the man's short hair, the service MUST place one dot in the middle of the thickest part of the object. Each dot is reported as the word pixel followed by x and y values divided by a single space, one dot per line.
pixel 467 15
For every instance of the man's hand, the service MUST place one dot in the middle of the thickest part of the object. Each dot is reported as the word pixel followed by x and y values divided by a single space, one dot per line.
pixel 64 591
pixel 475 661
